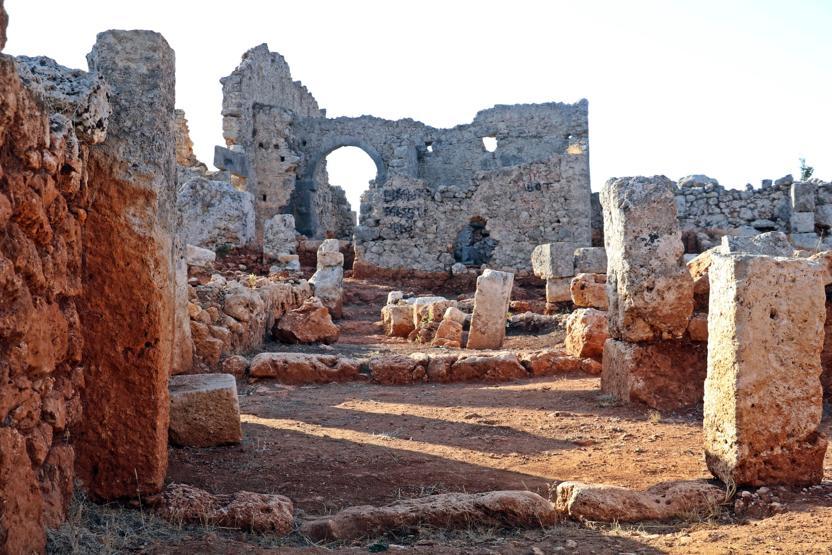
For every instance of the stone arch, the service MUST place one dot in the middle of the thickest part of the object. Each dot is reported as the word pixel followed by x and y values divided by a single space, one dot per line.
pixel 305 188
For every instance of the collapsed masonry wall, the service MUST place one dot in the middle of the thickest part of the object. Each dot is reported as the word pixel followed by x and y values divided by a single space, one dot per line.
pixel 438 193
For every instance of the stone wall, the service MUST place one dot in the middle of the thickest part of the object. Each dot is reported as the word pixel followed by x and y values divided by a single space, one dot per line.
pixel 47 122
pixel 438 193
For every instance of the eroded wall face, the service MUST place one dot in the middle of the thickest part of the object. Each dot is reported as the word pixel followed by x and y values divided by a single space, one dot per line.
pixel 43 193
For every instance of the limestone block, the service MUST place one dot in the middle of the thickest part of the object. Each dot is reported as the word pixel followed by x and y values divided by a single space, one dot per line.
pixel 449 332
pixel 285 263
pixel 301 368
pixel 309 323
pixel 279 236
pixel 649 288
pixel 763 396
pixel 329 245
pixel 488 322
pixel 666 375
pixel 204 411
pixel 497 367
pixel 214 214
pixel 394 296
pixel 590 260
pixel 803 196
pixel 327 259
pixel 327 285
pixel 421 307
pixel 586 332
pixel 589 290
pixel 698 327
pixel 823 215
pixel 197 256
pixel 806 241
pixel 397 320
pixel 772 243
pixel 554 260
pixel 802 222
pixel 392 369
pixel 558 290
pixel 550 362
pixel 698 268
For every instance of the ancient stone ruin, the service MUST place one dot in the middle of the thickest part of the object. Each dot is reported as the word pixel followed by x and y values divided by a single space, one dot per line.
pixel 217 360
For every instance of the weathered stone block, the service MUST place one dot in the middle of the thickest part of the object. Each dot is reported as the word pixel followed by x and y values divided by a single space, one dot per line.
pixel 231 161
pixel 823 215
pixel 309 323
pixel 554 260
pixel 589 290
pixel 806 241
pixel 590 260
pixel 558 290
pixel 666 375
pixel 763 396
pixel 772 243
pixel 802 222
pixel 488 322
pixel 279 236
pixel 301 368
pixel 214 214
pixel 586 333
pixel 204 410
pixel 803 196
pixel 649 288
pixel 197 256
pixel 397 320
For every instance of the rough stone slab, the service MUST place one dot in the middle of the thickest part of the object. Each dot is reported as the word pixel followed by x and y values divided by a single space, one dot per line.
pixel 204 411
pixel 128 306
pixel 603 503
pixel 772 243
pixel 497 367
pixel 763 396
pixel 558 290
pixel 488 322
pixel 666 375
pixel 328 285
pixel 806 241
pixel 649 288
pixel 397 320
pixel 586 333
pixel 511 509
pixel 397 370
pixel 803 196
pixel 802 222
pixel 214 214
pixel 279 236
pixel 309 323
pixel 197 256
pixel 550 362
pixel 301 368
pixel 589 291
pixel 590 260
pixel 554 260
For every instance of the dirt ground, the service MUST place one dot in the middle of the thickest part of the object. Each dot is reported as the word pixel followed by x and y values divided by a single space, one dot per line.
pixel 332 446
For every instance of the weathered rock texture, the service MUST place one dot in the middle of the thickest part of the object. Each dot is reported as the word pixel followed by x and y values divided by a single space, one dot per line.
pixel 128 302
pixel 763 397
pixel 301 368
pixel 439 196
pixel 204 410
pixel 512 509
pixel 650 291
pixel 488 322
pixel 328 280
pixel 586 332
pixel 309 323
pixel 589 291
pixel 214 214
pixel 44 195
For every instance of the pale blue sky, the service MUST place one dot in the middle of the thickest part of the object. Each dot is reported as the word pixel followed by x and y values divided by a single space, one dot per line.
pixel 735 89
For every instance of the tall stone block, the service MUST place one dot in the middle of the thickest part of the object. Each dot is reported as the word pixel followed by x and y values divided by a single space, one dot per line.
pixel 488 322
pixel 128 305
pixel 763 397
pixel 554 260
pixel 649 288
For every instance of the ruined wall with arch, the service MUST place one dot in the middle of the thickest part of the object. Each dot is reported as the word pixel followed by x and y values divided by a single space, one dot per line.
pixel 435 191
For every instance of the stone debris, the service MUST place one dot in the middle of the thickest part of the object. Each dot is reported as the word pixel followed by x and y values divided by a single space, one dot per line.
pixel 488 323
pixel 327 282
pixel 554 260
pixel 255 512
pixel 309 323
pixel 204 411
pixel 603 503
pixel 199 257
pixel 649 288
pixel 511 509
pixel 450 330
pixel 586 332
pixel 763 398
pixel 589 291
pixel 301 368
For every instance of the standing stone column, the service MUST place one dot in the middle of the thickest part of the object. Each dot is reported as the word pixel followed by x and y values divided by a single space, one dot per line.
pixel 763 397
pixel 650 294
pixel 488 322
pixel 328 280
pixel 128 304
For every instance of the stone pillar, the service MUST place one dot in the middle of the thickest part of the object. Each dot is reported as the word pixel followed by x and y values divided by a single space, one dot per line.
pixel 488 322
pixel 128 305
pixel 763 397
pixel 647 358
pixel 328 281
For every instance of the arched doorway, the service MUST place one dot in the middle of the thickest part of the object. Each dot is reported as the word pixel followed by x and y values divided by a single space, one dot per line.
pixel 352 169
pixel 474 245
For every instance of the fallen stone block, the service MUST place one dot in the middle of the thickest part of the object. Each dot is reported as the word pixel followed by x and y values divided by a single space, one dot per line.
pixel 309 323
pixel 509 509
pixel 301 368
pixel 397 370
pixel 497 367
pixel 327 284
pixel 591 260
pixel 772 243
pixel 236 365
pixel 763 396
pixel 397 320
pixel 199 257
pixel 650 289
pixel 666 375
pixel 554 260
pixel 204 411
pixel 698 268
pixel 603 503
pixel 488 322
pixel 550 362
pixel 450 330
pixel 214 214
pixel 586 332
pixel 559 290
pixel 256 512
pixel 589 291
pixel 439 366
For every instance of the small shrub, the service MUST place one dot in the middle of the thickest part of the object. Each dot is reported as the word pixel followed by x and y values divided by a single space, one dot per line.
pixel 805 171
